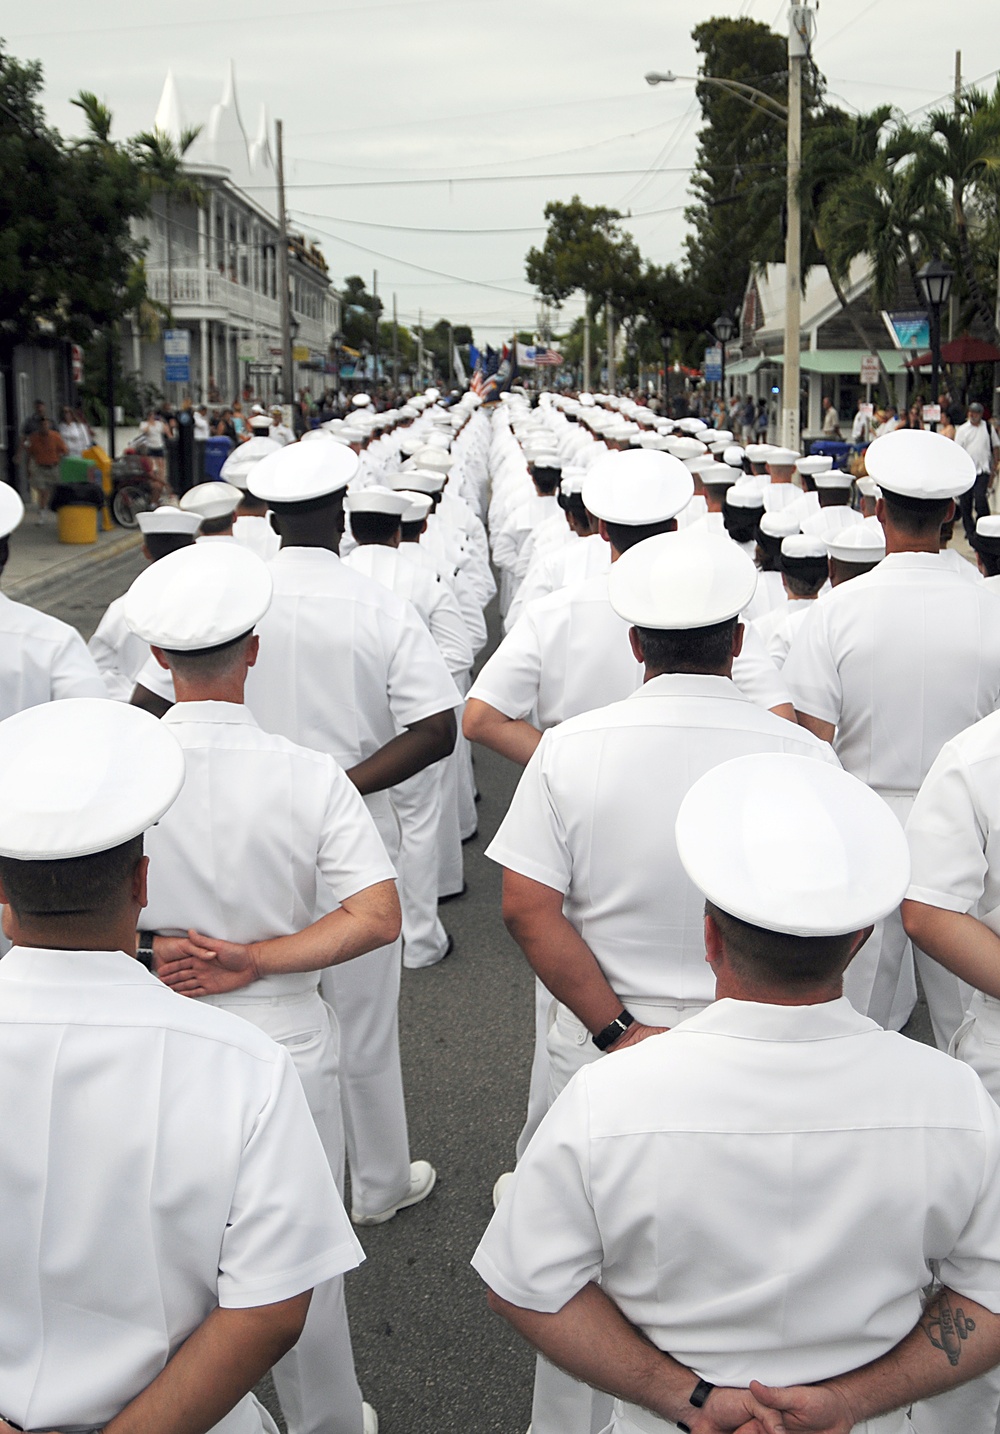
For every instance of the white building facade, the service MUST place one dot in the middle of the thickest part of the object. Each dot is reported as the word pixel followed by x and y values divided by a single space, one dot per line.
pixel 214 266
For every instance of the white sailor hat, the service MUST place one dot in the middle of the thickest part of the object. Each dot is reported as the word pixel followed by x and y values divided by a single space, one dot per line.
pixel 686 447
pixel 745 493
pixel 212 499
pixel 828 522
pixel 814 463
pixel 834 478
pixel 792 844
pixel 758 452
pixel 417 480
pixel 691 425
pixel 778 525
pixel 349 433
pixel 782 457
pixel 168 519
pixel 245 457
pixel 199 597
pixel 411 441
pixel 417 507
pixel 572 480
pixel 717 475
pixel 719 435
pixel 361 400
pixel 302 471
pixel 586 400
pixel 436 460
pixel 915 463
pixel 376 500
pixel 733 455
pixel 637 486
pixel 432 394
pixel 862 542
pixel 803 547
pixel 326 433
pixel 56 806
pixel 868 487
pixel 681 580
pixel 11 509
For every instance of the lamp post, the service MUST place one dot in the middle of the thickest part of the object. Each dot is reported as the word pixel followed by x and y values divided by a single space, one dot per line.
pixel 935 287
pixel 666 339
pixel 336 345
pixel 724 328
pixel 633 352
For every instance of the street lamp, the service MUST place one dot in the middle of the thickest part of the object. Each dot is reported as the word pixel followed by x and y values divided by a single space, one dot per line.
pixel 757 99
pixel 336 344
pixel 666 339
pixel 935 287
pixel 633 352
pixel 724 328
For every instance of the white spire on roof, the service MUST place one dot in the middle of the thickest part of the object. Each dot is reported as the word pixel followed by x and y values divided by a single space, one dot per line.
pixel 169 116
pixel 223 142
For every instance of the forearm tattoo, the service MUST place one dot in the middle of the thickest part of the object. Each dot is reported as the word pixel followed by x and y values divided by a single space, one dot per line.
pixel 946 1327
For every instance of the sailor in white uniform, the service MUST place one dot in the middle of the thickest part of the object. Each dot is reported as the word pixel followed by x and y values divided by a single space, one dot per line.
pixel 252 527
pixel 216 504
pixel 349 668
pixel 167 1203
pixel 888 668
pixel 270 856
pixel 616 941
pixel 41 658
pixel 764 1192
pixel 855 551
pixel 805 570
pixel 119 653
pixel 986 544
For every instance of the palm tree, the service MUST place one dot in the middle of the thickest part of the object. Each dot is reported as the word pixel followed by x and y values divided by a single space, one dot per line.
pixel 162 161
pixel 960 153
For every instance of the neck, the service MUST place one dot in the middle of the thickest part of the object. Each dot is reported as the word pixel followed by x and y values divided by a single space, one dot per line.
pixel 897 541
pixel 54 933
pixel 251 508
pixel 651 672
pixel 228 689
pixel 729 986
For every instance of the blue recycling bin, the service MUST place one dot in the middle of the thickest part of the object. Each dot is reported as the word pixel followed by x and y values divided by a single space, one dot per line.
pixel 831 448
pixel 217 450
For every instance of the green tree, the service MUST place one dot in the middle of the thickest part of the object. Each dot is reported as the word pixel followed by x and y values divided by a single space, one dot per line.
pixel 161 162
pixel 360 312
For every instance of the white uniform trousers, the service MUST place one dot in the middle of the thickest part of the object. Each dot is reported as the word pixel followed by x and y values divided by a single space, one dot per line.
pixel 315 1381
pixel 248 1417
pixel 450 862
pixel 468 818
pixel 364 993
pixel 419 805
pixel 630 1419
pixel 561 1404
pixel 880 980
pixel 977 1041
pixel 538 1084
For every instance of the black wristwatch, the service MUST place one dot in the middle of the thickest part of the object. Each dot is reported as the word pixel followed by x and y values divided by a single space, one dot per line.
pixel 144 950
pixel 699 1394
pixel 617 1028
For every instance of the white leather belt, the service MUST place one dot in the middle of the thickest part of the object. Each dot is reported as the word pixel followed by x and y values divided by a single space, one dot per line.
pixel 630 1417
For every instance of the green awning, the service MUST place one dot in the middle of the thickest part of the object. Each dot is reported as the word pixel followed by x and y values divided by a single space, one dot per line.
pixel 842 361
pixel 745 366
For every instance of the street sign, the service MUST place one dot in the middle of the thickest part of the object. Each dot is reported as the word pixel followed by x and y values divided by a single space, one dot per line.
pixel 869 369
pixel 301 353
pixel 931 413
pixel 713 364
pixel 177 355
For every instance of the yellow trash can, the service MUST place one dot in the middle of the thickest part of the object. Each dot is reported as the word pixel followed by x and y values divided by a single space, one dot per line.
pixel 96 454
pixel 77 523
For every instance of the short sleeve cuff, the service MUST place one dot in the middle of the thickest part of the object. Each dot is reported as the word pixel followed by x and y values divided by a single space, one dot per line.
pixel 510 1291
pixel 503 705
pixel 524 866
pixel 947 901
pixel 444 702
pixel 989 1297
pixel 243 1294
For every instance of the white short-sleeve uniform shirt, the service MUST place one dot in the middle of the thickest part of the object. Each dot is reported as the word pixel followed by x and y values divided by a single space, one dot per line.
pixel 159 1160
pixel 900 660
pixel 777 628
pixel 264 838
pixel 569 652
pixel 253 531
pixel 593 817
pixel 434 601
pixel 344 666
pixel 840 1159
pixel 41 660
pixel 571 562
pixel 119 654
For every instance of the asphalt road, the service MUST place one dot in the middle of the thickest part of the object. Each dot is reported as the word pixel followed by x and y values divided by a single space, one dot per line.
pixel 430 1357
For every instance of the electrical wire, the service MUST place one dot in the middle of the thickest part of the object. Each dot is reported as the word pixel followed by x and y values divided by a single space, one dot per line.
pixel 423 229
pixel 469 179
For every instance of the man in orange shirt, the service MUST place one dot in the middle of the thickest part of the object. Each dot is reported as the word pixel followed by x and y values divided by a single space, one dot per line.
pixel 45 447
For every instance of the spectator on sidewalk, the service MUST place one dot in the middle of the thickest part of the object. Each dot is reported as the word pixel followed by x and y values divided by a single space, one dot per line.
pixel 831 420
pixel 45 447
pixel 982 445
pixel 74 432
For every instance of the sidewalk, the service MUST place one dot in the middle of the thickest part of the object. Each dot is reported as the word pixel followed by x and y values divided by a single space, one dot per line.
pixel 37 557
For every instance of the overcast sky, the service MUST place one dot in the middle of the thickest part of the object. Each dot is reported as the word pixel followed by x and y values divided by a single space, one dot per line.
pixel 471 99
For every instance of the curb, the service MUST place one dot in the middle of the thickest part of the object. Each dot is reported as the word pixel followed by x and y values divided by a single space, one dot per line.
pixel 79 562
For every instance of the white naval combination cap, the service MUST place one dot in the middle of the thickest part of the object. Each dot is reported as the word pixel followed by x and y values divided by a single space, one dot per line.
pixel 915 463
pixel 377 500
pixel 814 463
pixel 212 499
pixel 637 486
pixel 56 806
pixel 199 597
pixel 302 471
pixel 245 457
pixel 416 480
pixel 792 845
pixel 418 505
pixel 681 580
pixel 168 519
pixel 862 542
pixel 11 509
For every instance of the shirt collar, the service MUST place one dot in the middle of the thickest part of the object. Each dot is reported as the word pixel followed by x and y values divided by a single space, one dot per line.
pixel 911 560
pixel 756 1021
pixel 284 556
pixel 688 684
pixel 36 966
pixel 231 713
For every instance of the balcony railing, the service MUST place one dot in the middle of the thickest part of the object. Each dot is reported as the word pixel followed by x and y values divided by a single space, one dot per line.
pixel 206 289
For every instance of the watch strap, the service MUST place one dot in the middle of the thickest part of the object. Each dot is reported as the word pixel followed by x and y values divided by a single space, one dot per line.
pixel 698 1395
pixel 613 1030
pixel 144 949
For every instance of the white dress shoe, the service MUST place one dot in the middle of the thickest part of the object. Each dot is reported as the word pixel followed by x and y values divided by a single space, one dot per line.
pixel 423 1178
pixel 369 1420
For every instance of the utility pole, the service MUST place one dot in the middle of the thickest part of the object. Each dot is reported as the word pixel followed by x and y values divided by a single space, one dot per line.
pixel 610 335
pixel 451 356
pixel 799 34
pixel 395 348
pixel 586 342
pixel 287 359
pixel 953 299
pixel 420 348
pixel 375 328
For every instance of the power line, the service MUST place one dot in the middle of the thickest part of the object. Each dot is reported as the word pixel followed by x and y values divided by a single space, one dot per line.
pixel 304 214
pixel 470 179
pixel 423 269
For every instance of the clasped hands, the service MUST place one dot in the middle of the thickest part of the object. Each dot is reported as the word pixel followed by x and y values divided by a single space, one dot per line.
pixel 197 965
pixel 762 1409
